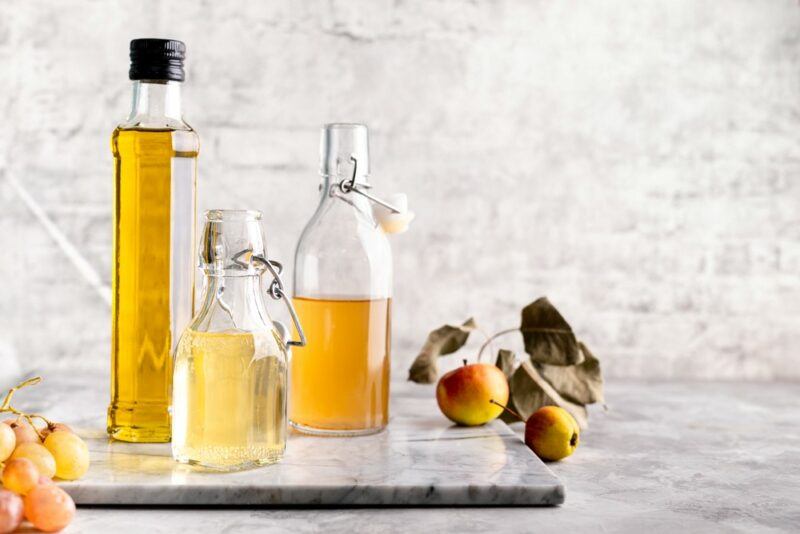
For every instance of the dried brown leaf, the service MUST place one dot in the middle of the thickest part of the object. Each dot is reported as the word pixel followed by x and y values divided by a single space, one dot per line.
pixel 444 340
pixel 582 383
pixel 506 360
pixel 530 392
pixel 547 335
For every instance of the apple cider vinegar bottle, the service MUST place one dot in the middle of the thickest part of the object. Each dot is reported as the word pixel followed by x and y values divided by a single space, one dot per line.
pixel 342 293
pixel 229 394
pixel 155 155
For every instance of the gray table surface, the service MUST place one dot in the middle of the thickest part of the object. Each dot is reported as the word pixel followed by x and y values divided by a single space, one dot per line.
pixel 665 457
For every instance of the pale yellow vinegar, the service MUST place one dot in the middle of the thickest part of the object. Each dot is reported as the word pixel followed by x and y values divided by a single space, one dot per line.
pixel 229 400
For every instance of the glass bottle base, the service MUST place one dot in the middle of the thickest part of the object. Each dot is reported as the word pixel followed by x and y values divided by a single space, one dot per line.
pixel 139 435
pixel 331 432
pixel 139 424
pixel 251 464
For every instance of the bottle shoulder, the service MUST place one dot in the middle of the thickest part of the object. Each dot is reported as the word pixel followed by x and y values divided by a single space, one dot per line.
pixel 255 344
pixel 342 253
pixel 341 235
pixel 176 142
pixel 155 123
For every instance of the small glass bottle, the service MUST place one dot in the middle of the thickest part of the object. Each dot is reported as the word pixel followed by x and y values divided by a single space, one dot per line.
pixel 342 293
pixel 229 386
pixel 155 156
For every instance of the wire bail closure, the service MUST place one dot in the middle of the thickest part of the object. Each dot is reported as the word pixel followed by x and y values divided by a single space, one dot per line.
pixel 350 186
pixel 276 291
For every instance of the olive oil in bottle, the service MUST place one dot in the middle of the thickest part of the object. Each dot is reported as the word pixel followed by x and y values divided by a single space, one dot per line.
pixel 155 154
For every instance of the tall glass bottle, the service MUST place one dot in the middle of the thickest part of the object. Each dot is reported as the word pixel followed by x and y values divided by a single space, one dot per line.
pixel 342 293
pixel 155 155
pixel 229 395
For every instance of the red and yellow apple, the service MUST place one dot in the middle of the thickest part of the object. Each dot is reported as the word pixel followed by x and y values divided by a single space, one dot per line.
pixel 467 395
pixel 552 433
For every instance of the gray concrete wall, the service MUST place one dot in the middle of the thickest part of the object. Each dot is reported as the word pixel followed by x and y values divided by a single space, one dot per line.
pixel 636 161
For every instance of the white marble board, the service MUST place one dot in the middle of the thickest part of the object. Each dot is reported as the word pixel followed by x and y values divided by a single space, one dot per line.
pixel 420 460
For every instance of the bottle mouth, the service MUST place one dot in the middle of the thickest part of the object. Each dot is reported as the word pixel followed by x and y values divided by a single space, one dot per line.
pixel 231 239
pixel 344 126
pixel 344 150
pixel 232 215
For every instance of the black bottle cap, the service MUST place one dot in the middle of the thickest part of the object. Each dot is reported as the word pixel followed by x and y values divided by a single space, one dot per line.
pixel 157 59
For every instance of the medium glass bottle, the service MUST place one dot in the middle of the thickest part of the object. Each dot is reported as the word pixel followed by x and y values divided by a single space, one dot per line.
pixel 342 293
pixel 229 387
pixel 155 157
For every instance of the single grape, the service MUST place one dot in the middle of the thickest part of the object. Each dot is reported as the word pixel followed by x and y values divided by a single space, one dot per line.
pixel 52 427
pixel 23 430
pixel 8 440
pixel 20 475
pixel 11 511
pixel 39 455
pixel 70 452
pixel 49 508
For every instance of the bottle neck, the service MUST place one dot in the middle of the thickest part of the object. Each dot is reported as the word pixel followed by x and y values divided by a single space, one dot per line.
pixel 156 102
pixel 233 303
pixel 327 180
pixel 351 205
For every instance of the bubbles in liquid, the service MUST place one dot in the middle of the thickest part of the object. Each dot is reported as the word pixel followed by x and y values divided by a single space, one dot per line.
pixel 229 401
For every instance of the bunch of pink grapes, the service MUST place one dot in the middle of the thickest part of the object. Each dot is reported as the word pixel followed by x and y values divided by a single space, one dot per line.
pixel 30 458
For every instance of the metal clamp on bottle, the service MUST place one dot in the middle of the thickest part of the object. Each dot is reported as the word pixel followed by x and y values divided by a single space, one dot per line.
pixel 276 291
pixel 347 186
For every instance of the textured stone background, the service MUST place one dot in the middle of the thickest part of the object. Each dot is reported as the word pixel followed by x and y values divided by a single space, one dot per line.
pixel 636 161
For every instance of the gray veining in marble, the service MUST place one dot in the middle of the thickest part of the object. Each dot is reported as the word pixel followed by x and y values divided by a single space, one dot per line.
pixel 421 460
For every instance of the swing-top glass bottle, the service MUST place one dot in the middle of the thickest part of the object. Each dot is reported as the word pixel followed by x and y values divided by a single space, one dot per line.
pixel 342 293
pixel 229 387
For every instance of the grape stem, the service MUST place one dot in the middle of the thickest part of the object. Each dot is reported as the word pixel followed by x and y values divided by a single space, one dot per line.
pixel 6 405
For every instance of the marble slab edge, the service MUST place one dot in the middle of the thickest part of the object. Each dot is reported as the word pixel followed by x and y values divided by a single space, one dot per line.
pixel 319 496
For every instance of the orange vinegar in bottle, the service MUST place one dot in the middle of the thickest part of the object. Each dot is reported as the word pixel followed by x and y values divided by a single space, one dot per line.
pixel 340 379
pixel 155 155
pixel 339 382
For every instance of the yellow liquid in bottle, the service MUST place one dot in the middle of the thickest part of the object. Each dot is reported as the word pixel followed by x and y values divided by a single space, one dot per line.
pixel 229 400
pixel 152 282
pixel 340 379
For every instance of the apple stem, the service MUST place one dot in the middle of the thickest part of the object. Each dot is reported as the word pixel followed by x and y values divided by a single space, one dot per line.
pixel 509 410
pixel 465 362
